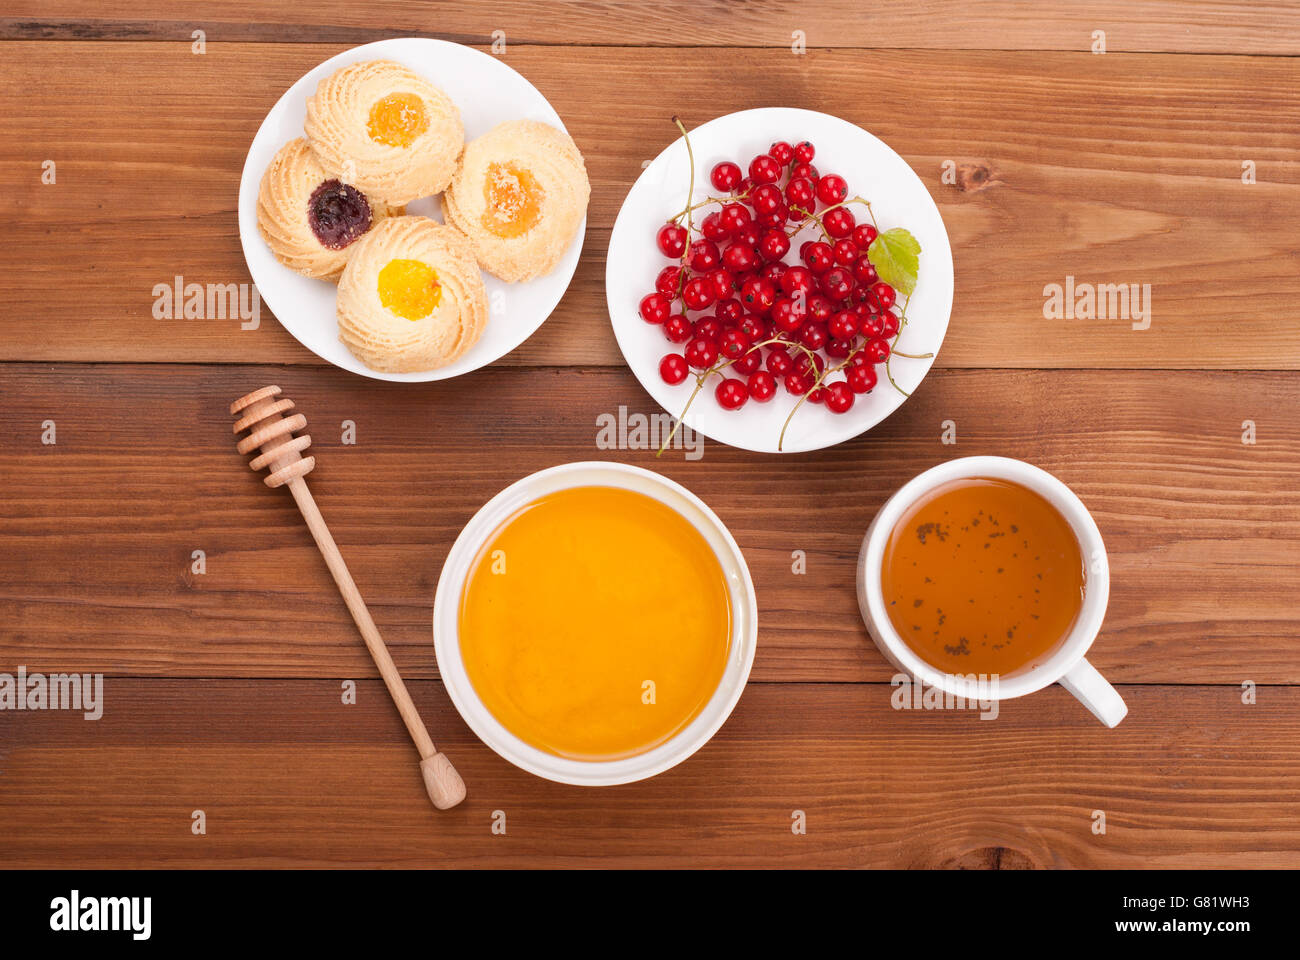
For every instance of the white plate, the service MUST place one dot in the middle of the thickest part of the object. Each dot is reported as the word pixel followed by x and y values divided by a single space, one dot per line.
pixel 873 171
pixel 487 92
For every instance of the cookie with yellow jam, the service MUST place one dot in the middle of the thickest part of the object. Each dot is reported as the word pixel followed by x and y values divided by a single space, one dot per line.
pixel 309 219
pixel 385 129
pixel 411 297
pixel 519 194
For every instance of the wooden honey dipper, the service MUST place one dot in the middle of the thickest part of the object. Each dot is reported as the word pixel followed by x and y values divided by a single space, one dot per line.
pixel 269 429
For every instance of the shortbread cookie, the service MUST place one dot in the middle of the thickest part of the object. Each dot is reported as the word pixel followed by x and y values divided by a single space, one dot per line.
pixel 385 129
pixel 519 195
pixel 309 219
pixel 411 297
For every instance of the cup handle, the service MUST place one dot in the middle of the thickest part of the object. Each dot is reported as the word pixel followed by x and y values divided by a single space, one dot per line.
pixel 1095 693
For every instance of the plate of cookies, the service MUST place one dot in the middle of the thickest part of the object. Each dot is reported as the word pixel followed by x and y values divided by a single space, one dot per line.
pixel 412 209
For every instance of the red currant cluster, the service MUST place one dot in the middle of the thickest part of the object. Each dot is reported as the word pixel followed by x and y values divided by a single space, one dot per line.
pixel 771 321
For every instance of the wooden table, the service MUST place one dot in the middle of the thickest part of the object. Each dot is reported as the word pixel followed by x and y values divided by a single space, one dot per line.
pixel 223 688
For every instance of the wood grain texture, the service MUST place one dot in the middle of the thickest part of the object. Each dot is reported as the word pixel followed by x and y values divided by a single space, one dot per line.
pixel 96 532
pixel 1190 26
pixel 1111 169
pixel 288 776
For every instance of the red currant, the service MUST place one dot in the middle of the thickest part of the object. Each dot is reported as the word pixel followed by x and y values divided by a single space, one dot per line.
pixel 832 189
pixel 839 349
pixel 839 398
pixel 752 326
pixel 702 352
pixel 763 169
pixel 819 256
pixel 733 343
pixel 801 193
pixel 748 363
pixel 796 280
pixel 668 280
pixel 673 368
pixel 861 378
pixel 655 308
pixel 817 396
pixel 798 384
pixel 698 294
pixel 766 199
pixel 885 294
pixel 820 307
pixel 837 283
pixel 876 351
pixel 845 252
pixel 721 281
pixel 863 234
pixel 839 222
pixel 813 335
pixel 863 271
pixel 804 152
pixel 844 325
pixel 805 171
pixel 779 362
pixel 758 295
pixel 773 245
pixel 870 325
pixel 704 256
pixel 773 271
pixel 738 258
pixel 672 239
pixel 730 309
pixel 781 152
pixel 745 188
pixel 784 316
pixel 734 218
pixel 748 236
pixel 732 394
pixel 713 228
pixel 725 176
pixel 762 386
pixel 777 218
pixel 888 324
pixel 678 329
pixel 710 328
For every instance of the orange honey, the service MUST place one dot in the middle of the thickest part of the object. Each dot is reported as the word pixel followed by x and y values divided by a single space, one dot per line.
pixel 595 623
pixel 982 576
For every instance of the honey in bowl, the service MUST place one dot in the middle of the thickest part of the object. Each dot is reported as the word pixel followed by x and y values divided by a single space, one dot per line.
pixel 982 576
pixel 595 623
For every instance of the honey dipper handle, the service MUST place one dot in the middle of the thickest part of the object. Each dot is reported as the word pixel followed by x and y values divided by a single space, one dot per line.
pixel 446 789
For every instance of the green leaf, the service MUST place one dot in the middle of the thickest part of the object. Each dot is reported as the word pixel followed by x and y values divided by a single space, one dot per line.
pixel 896 255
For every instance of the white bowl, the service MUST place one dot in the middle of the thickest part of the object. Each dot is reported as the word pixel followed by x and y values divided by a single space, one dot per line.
pixel 874 171
pixel 488 92
pixel 446 622
pixel 1065 663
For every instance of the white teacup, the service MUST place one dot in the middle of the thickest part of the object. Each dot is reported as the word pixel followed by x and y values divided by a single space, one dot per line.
pixel 1065 664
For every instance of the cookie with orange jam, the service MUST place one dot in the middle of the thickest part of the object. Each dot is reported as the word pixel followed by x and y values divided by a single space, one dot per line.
pixel 385 129
pixel 411 297
pixel 520 195
pixel 309 219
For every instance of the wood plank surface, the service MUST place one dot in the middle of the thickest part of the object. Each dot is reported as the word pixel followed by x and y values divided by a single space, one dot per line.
pixel 1190 26
pixel 1110 169
pixel 222 689
pixel 97 531
pixel 288 776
